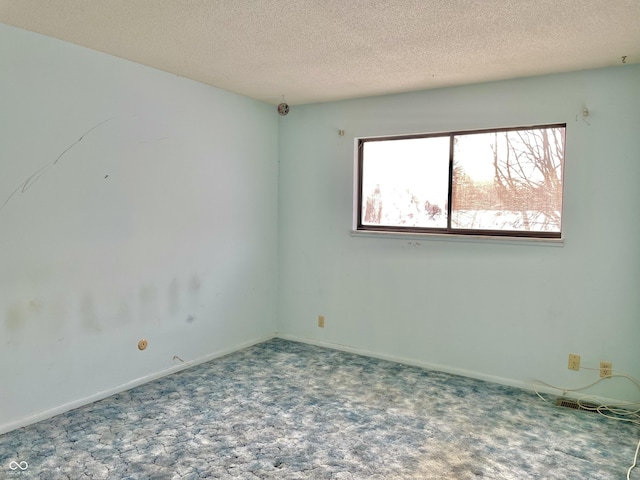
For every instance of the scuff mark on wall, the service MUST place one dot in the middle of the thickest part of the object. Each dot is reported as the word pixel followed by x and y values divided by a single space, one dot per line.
pixel 122 140
pixel 80 139
pixel 26 185
pixel 35 305
pixel 194 284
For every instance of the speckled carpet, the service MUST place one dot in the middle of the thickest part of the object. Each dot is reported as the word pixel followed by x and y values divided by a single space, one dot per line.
pixel 293 411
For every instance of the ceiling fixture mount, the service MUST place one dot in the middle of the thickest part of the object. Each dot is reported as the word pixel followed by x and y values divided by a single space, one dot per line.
pixel 283 107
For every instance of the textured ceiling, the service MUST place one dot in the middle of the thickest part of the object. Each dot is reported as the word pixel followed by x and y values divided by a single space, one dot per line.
pixel 320 50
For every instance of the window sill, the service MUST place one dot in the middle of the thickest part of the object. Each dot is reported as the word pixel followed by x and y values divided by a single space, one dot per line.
pixel 415 237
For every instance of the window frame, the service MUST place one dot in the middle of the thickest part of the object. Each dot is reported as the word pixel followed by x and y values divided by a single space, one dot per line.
pixel 448 230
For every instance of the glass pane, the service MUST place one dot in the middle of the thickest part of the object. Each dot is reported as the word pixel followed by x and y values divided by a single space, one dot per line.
pixel 405 182
pixel 509 180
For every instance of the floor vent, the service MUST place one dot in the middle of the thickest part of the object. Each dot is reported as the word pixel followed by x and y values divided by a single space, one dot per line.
pixel 568 403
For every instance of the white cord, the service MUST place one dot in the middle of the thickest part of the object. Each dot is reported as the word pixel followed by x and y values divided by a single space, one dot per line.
pixel 621 414
pixel 635 460
pixel 615 373
pixel 176 357
pixel 615 411
pixel 621 375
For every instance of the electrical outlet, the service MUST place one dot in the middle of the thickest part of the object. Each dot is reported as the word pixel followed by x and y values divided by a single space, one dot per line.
pixel 605 369
pixel 574 361
pixel 321 321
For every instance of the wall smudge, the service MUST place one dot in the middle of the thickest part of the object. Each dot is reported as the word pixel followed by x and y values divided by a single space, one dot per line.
pixel 88 313
pixel 174 297
pixel 16 318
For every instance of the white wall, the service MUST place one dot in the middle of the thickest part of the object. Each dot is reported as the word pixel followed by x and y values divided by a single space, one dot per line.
pixel 511 312
pixel 133 204
pixel 137 204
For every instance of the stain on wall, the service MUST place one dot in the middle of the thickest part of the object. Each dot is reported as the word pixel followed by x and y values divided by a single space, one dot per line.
pixel 88 313
pixel 174 297
pixel 16 318
pixel 113 211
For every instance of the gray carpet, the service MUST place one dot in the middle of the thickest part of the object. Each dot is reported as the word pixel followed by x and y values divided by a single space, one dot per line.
pixel 288 410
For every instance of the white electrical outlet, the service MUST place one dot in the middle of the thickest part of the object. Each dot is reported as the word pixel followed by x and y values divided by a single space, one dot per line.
pixel 605 369
pixel 574 361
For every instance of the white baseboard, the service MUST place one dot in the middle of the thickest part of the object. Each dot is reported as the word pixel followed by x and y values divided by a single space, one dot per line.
pixel 531 386
pixel 38 417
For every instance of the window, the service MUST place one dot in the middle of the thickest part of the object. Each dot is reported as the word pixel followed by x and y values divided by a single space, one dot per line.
pixel 505 182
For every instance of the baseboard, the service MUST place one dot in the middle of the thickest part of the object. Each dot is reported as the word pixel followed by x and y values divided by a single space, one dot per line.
pixel 38 417
pixel 531 386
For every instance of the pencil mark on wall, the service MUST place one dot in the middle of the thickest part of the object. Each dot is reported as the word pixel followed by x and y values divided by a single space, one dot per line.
pixel 80 139
pixel 28 183
pixel 33 178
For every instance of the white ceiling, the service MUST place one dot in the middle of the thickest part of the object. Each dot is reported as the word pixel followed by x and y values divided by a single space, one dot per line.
pixel 320 50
